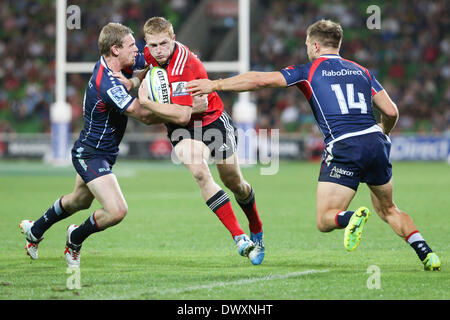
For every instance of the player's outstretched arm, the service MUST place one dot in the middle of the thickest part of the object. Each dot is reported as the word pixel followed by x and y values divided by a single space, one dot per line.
pixel 388 109
pixel 168 112
pixel 248 81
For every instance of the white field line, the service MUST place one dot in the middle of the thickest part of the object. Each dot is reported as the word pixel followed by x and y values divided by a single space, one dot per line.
pixel 240 282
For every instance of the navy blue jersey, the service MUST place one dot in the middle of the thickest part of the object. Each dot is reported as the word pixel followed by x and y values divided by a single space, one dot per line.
pixel 340 94
pixel 105 101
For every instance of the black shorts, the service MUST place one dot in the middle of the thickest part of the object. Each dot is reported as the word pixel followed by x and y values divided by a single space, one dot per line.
pixel 219 136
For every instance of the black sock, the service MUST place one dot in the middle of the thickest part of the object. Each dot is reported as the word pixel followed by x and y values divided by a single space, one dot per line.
pixel 54 214
pixel 248 202
pixel 251 212
pixel 417 242
pixel 87 228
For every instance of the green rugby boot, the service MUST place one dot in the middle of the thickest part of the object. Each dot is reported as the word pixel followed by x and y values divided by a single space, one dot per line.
pixel 354 229
pixel 432 262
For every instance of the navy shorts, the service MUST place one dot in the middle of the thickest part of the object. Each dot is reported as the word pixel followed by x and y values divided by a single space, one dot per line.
pixel 90 165
pixel 220 136
pixel 363 158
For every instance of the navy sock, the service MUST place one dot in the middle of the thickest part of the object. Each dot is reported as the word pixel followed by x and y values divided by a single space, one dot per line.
pixel 419 245
pixel 54 214
pixel 343 218
pixel 87 228
pixel 422 249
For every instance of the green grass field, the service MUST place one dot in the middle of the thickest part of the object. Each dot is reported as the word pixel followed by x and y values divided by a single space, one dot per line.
pixel 171 246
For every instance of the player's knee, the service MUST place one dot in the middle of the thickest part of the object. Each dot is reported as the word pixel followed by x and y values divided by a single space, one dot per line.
pixel 200 175
pixel 387 211
pixel 75 202
pixel 119 212
pixel 322 224
pixel 322 227
pixel 234 183
pixel 84 203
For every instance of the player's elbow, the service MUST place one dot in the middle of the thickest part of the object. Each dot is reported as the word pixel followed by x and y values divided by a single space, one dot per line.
pixel 385 105
pixel 183 121
pixel 147 120
pixel 184 117
pixel 391 112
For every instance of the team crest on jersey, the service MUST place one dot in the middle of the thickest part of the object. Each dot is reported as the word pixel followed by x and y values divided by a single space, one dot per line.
pixel 119 96
pixel 179 89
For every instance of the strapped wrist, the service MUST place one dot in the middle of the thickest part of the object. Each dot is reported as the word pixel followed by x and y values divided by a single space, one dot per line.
pixel 219 85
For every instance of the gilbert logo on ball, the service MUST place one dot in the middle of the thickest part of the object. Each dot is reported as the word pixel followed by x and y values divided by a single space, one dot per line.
pixel 158 85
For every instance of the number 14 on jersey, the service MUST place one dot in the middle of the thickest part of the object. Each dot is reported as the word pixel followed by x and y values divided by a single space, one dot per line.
pixel 349 103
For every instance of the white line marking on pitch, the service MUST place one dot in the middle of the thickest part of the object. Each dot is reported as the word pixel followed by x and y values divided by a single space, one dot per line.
pixel 240 282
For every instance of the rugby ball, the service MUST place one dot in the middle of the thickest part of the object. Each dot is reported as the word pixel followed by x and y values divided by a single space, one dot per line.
pixel 158 86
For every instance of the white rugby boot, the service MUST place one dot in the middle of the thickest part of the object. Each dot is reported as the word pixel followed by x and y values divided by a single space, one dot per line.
pixel 72 251
pixel 244 244
pixel 32 243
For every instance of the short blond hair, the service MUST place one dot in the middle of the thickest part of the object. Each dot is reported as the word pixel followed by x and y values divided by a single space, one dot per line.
pixel 326 32
pixel 157 25
pixel 112 34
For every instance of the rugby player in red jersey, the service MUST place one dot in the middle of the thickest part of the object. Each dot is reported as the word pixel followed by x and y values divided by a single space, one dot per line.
pixel 201 135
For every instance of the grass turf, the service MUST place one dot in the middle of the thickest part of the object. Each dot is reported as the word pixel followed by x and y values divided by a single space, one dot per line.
pixel 170 245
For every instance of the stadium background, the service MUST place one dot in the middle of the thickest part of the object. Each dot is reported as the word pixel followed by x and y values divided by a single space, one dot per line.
pixel 170 246
pixel 409 55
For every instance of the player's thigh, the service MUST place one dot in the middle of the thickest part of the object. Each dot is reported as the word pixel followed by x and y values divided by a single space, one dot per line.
pixel 106 190
pixel 194 154
pixel 190 151
pixel 332 196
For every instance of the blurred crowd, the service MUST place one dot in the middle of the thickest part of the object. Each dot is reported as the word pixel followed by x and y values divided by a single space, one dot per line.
pixel 409 55
pixel 27 52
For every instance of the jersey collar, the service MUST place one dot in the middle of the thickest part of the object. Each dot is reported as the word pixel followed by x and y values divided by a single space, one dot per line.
pixel 330 56
pixel 103 62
